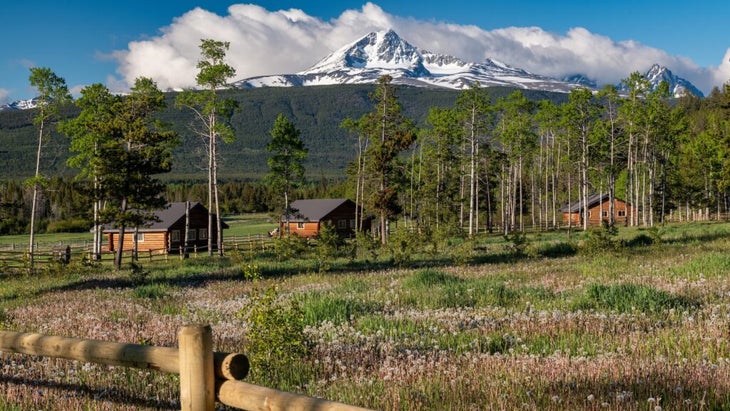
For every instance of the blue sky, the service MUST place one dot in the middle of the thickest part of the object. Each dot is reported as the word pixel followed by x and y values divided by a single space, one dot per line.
pixel 113 42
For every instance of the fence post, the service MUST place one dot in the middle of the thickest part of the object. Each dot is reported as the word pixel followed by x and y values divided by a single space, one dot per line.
pixel 197 379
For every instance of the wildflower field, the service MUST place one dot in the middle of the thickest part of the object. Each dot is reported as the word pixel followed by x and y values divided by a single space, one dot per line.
pixel 639 321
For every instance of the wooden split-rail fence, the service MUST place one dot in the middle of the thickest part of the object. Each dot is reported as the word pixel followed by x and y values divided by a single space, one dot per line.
pixel 205 375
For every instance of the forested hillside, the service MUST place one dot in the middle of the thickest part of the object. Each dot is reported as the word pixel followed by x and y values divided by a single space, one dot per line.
pixel 491 158
pixel 316 111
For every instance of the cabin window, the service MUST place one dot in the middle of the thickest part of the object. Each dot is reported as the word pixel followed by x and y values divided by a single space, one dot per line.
pixel 191 234
pixel 203 234
pixel 175 235
pixel 622 213
pixel 341 224
pixel 140 237
pixel 605 213
pixel 300 226
pixel 352 223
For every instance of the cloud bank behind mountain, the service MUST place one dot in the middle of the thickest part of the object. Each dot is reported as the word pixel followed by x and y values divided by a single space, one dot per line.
pixel 264 42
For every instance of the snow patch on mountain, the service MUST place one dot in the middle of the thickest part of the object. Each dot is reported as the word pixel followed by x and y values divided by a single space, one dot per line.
pixel 20 105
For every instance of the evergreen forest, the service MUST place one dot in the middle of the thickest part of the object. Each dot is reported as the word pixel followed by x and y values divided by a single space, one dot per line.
pixel 480 159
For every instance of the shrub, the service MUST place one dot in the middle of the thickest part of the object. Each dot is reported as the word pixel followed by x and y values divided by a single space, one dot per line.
pixel 556 250
pixel 136 273
pixel 276 341
pixel 290 246
pixel 517 243
pixel 462 251
pixel 639 241
pixel 402 245
pixel 601 239
pixel 251 272
pixel 652 236
pixel 76 225
pixel 655 234
pixel 328 242
pixel 366 246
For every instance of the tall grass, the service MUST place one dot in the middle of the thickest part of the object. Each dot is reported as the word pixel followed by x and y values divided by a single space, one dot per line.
pixel 628 297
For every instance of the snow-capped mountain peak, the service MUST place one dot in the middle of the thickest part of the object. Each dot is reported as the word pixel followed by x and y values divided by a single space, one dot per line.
pixel 20 105
pixel 678 86
pixel 384 50
pixel 378 53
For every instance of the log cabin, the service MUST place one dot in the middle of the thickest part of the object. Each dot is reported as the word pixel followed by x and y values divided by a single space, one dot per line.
pixel 307 216
pixel 598 206
pixel 167 236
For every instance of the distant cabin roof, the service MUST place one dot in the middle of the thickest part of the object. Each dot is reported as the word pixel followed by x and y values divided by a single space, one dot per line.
pixel 315 209
pixel 592 200
pixel 170 215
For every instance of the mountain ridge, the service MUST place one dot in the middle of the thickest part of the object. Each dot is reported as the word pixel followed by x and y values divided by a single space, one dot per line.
pixel 379 53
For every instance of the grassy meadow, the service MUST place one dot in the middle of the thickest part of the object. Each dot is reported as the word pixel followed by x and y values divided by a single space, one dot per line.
pixel 639 320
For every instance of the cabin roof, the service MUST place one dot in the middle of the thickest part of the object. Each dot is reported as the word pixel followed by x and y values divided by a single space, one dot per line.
pixel 314 209
pixel 169 216
pixel 592 201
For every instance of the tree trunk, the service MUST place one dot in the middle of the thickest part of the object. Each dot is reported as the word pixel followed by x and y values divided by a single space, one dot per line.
pixel 120 241
pixel 472 173
pixel 218 219
pixel 186 242
pixel 34 204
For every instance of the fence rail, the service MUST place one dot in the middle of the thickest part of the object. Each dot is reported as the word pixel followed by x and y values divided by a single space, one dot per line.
pixel 204 375
pixel 252 243
pixel 15 255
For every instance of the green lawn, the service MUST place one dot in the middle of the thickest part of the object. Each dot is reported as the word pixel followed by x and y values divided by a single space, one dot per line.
pixel 249 224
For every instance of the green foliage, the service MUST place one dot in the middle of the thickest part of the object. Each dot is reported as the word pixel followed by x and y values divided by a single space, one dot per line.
pixel 498 343
pixel 628 297
pixel 656 234
pixel 325 306
pixel 290 246
pixel 276 341
pixel 557 249
pixel 214 73
pixel 366 246
pixel 517 243
pixel 137 274
pixel 402 245
pixel 639 241
pixel 389 133
pixel 251 272
pixel 288 153
pixel 329 242
pixel 715 264
pixel 602 239
pixel 317 111
pixel 75 225
pixel 461 250
pixel 429 278
pixel 154 291
pixel 121 147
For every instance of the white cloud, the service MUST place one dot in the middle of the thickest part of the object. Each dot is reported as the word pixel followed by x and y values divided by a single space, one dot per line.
pixel 4 95
pixel 287 41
